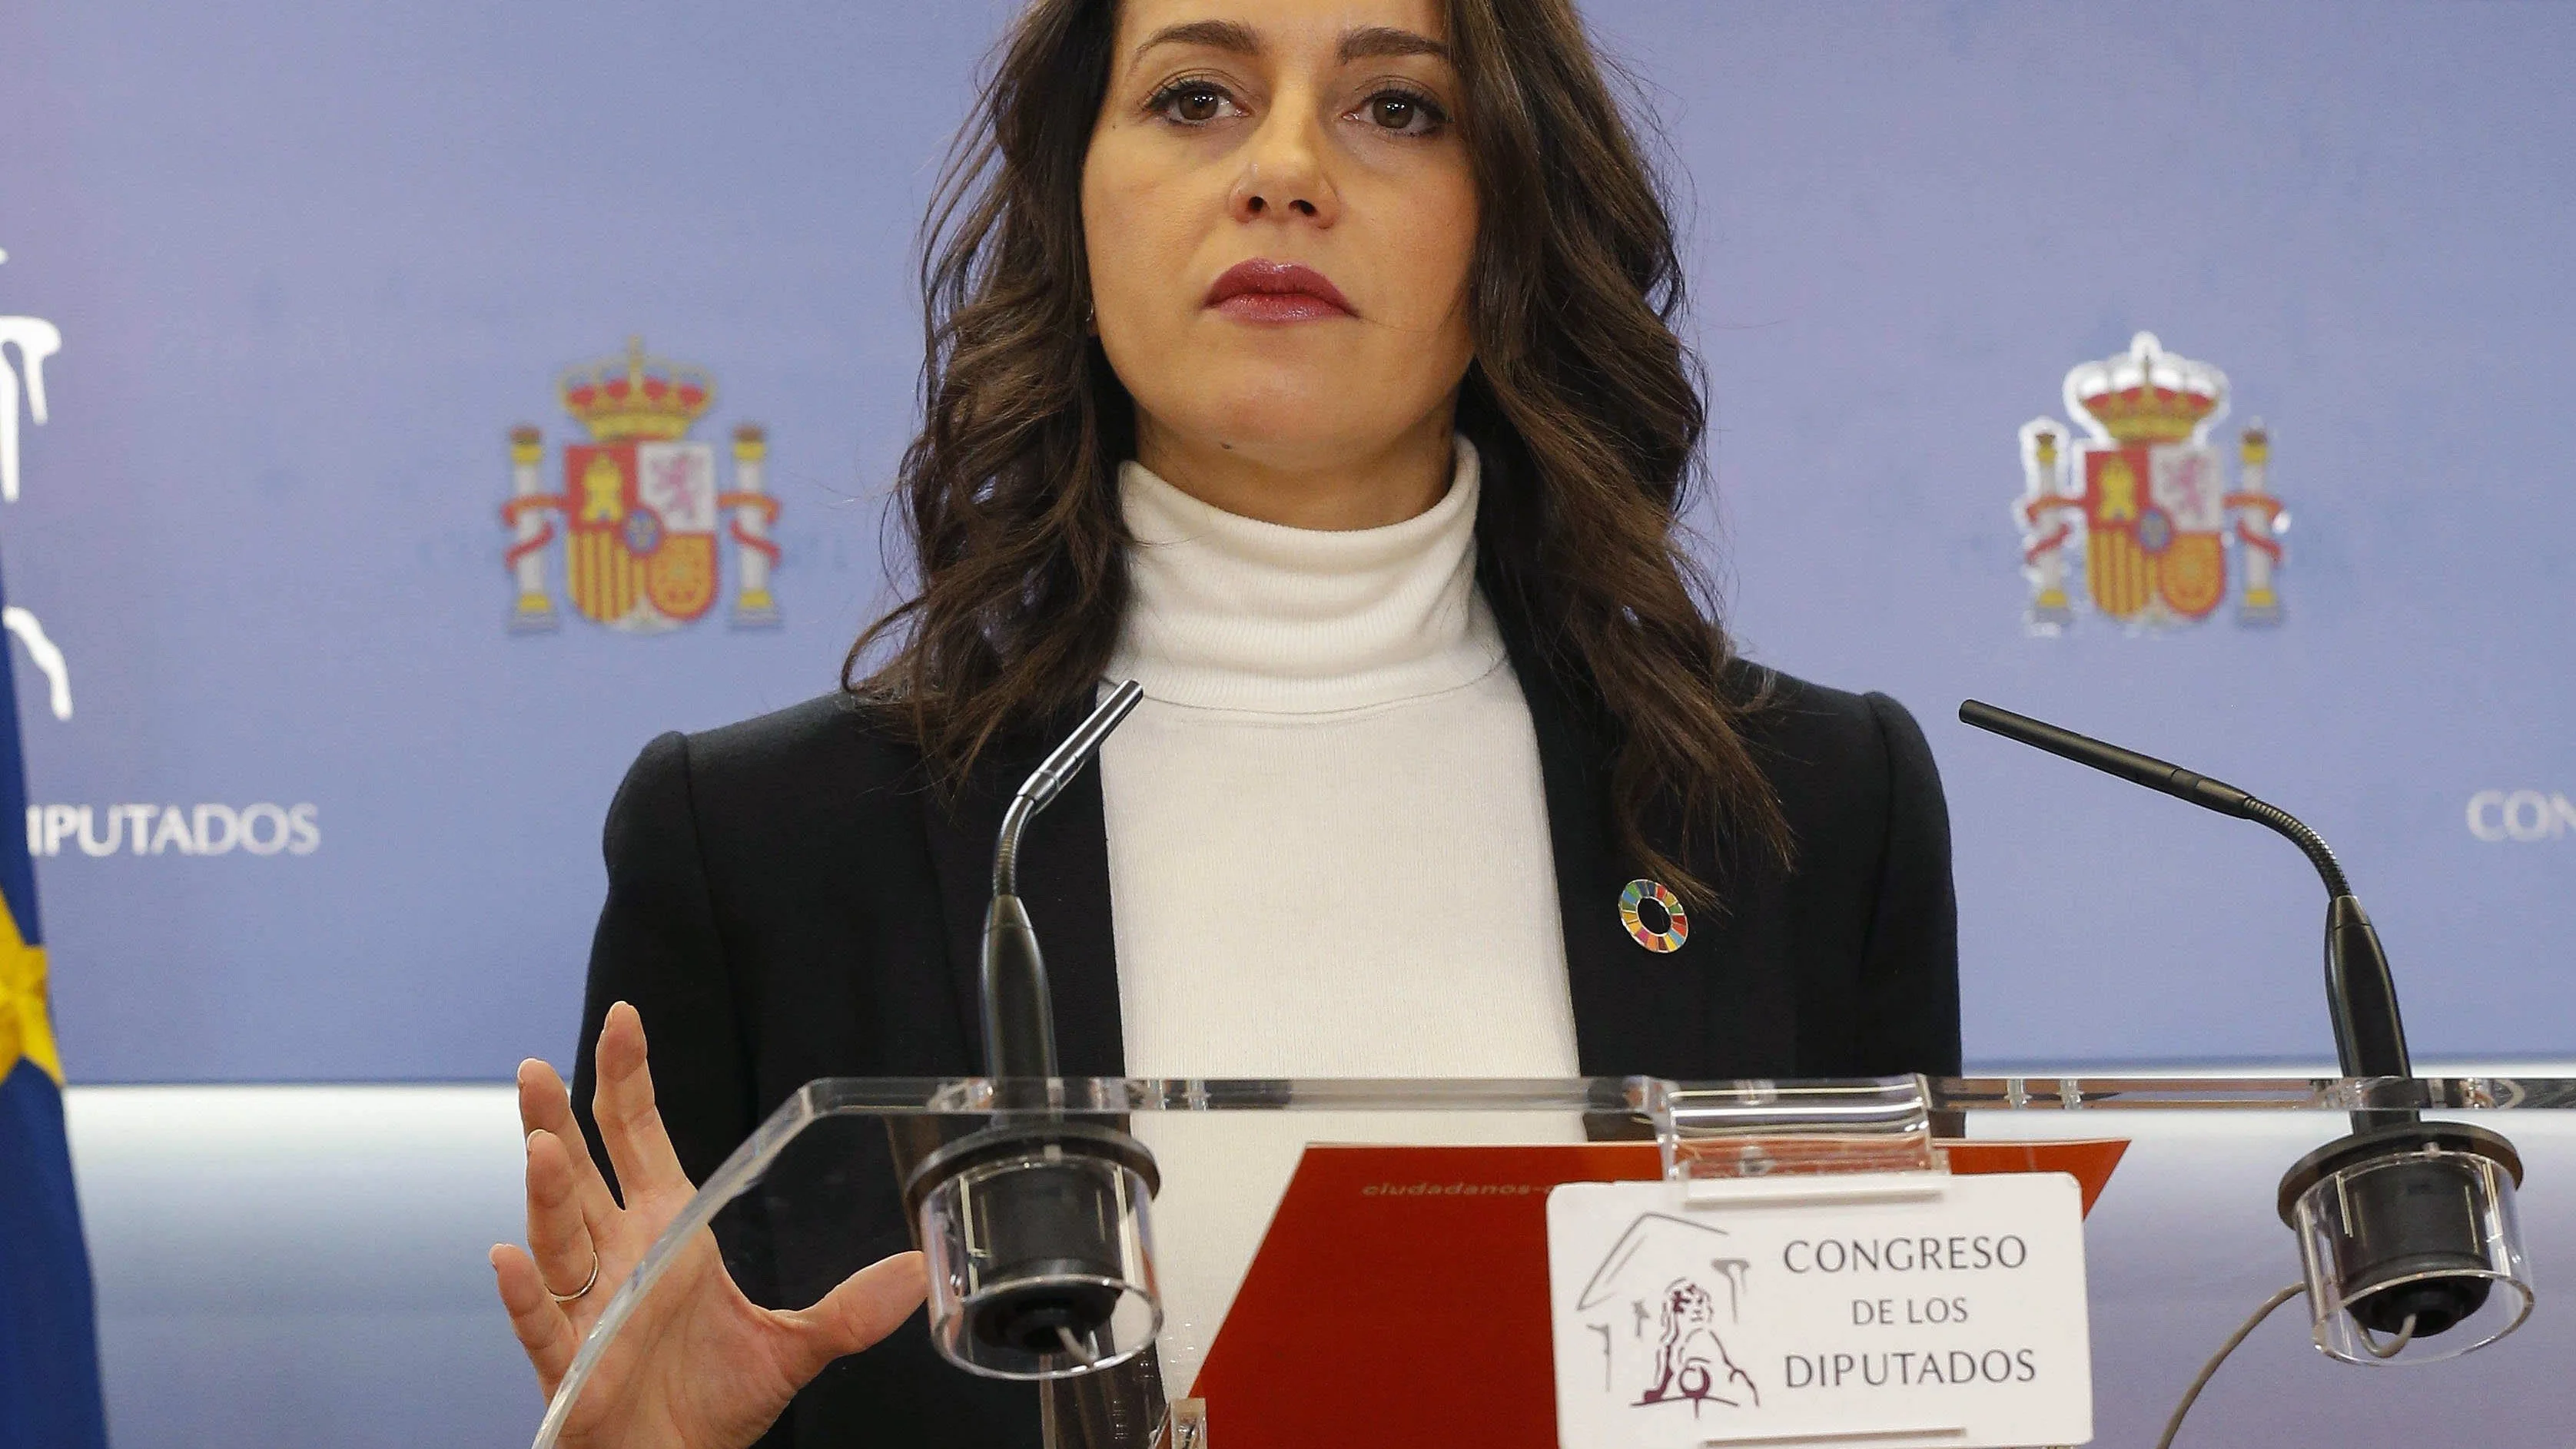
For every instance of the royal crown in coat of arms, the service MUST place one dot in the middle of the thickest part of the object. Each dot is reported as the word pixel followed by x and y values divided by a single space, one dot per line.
pixel 639 505
pixel 2141 504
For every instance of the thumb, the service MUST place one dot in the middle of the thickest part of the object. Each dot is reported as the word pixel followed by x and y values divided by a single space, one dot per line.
pixel 868 1305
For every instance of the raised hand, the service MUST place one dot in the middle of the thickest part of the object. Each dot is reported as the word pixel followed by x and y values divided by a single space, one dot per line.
pixel 698 1366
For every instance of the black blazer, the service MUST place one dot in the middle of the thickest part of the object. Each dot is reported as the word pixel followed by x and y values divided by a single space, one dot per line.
pixel 787 900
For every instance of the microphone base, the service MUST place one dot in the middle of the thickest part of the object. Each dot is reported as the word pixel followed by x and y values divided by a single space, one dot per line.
pixel 1040 1248
pixel 2407 1233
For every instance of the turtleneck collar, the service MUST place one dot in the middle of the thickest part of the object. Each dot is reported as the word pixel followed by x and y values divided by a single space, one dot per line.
pixel 1227 612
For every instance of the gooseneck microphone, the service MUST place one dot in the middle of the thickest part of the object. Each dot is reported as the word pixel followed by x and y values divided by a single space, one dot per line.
pixel 1019 1020
pixel 1033 1218
pixel 2399 1225
pixel 2370 1038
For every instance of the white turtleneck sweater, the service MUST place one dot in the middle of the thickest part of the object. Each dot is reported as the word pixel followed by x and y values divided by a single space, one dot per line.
pixel 1328 843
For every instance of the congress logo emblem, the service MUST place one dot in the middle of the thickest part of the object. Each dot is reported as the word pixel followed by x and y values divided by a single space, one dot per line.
pixel 639 506
pixel 2140 506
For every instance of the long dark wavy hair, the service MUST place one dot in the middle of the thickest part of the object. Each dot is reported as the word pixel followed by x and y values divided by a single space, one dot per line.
pixel 1582 398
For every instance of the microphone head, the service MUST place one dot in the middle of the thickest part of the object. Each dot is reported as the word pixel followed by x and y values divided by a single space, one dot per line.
pixel 1059 768
pixel 2110 759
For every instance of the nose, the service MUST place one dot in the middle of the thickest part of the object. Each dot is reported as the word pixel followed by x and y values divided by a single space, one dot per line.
pixel 1284 176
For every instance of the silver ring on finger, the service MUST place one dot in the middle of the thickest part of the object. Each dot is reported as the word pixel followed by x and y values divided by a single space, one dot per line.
pixel 586 1284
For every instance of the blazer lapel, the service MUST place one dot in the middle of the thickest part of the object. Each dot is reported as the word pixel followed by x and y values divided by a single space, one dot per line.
pixel 1692 1013
pixel 1064 882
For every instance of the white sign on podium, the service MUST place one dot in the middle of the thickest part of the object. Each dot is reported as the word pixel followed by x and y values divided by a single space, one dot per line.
pixel 1895 1310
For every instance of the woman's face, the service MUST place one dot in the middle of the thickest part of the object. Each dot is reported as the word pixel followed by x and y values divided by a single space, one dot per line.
pixel 1280 217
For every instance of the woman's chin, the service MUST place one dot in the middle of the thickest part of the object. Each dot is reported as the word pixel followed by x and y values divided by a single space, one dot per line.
pixel 1308 433
pixel 1264 406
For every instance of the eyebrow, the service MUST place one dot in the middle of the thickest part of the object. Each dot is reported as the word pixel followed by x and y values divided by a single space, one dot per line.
pixel 1364 42
pixel 1380 41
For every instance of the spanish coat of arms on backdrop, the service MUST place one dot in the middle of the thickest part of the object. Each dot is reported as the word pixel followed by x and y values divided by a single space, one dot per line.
pixel 2139 506
pixel 640 504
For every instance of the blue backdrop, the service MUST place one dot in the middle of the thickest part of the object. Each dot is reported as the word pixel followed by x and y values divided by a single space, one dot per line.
pixel 310 263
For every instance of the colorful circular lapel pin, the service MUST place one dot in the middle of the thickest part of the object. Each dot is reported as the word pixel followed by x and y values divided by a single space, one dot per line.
pixel 1641 905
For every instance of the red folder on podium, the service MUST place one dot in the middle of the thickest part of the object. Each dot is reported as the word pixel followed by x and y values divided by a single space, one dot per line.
pixel 1400 1297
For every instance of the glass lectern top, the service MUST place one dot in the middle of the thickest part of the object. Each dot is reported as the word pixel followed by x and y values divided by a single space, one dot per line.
pixel 1181 1179
pixel 1617 1096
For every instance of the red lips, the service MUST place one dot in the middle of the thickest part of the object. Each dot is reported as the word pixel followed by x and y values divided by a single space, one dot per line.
pixel 1261 290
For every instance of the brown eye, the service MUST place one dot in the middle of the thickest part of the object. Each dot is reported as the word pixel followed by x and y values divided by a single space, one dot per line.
pixel 1191 103
pixel 1402 113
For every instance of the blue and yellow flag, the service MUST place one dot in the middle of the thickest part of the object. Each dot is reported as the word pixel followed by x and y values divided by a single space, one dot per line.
pixel 49 1393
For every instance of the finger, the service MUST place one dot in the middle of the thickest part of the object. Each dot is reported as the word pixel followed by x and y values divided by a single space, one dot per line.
pixel 868 1305
pixel 536 1319
pixel 558 1238
pixel 629 1125
pixel 546 1106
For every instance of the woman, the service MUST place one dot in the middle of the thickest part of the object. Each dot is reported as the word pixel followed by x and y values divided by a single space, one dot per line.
pixel 1311 362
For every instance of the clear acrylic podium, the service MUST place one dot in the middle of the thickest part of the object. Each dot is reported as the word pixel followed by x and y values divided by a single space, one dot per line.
pixel 2189 1235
